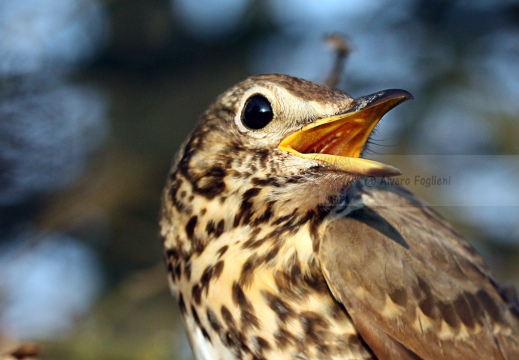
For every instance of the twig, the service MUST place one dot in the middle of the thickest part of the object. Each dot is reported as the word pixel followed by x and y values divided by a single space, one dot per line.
pixel 342 47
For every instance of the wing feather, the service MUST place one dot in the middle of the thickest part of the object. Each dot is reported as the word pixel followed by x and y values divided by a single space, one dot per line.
pixel 412 286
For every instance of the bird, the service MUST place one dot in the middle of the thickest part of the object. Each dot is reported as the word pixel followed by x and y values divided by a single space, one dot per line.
pixel 281 242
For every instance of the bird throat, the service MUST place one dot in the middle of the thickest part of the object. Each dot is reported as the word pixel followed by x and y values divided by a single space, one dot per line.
pixel 240 263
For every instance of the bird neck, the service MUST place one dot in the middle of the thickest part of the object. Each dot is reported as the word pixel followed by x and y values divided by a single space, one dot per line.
pixel 201 214
pixel 243 246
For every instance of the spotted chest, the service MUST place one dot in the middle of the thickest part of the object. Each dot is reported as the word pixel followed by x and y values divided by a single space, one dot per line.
pixel 243 306
pixel 253 290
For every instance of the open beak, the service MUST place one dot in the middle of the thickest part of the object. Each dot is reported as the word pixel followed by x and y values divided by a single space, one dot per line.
pixel 339 139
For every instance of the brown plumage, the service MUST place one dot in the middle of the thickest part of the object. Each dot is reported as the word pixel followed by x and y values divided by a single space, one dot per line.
pixel 277 249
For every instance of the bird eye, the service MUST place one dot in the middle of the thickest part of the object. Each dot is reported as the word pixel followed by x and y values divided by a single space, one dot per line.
pixel 257 113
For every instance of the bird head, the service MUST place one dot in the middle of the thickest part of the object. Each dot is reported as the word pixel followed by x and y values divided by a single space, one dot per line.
pixel 283 130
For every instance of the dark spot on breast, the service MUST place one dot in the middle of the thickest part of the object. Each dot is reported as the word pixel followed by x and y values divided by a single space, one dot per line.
pixel 243 215
pixel 171 258
pixel 190 227
pixel 285 219
pixel 245 210
pixel 236 146
pixel 315 327
pixel 448 314
pixel 295 274
pixel 178 271
pixel 284 338
pixel 187 270
pixel 234 174
pixel 269 255
pixel 489 305
pixel 209 184
pixel 230 340
pixel 248 318
pixel 196 294
pixel 173 190
pixel 195 316
pixel 270 181
pixel 183 194
pixel 283 310
pixel 285 286
pixel 171 272
pixel 172 254
pixel 247 270
pixel 236 341
pixel 219 228
pixel 294 179
pixel 203 211
pixel 222 251
pixel 206 277
pixel 316 281
pixel 261 344
pixel 265 216
pixel 210 228
pixel 213 320
pixel 205 334
pixel 398 296
pixel 238 297
pixel 227 317
pixel 253 243
pixel 218 268
pixel 262 156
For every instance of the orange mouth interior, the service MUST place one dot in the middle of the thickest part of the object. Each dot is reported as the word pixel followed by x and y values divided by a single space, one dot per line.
pixel 344 137
pixel 338 140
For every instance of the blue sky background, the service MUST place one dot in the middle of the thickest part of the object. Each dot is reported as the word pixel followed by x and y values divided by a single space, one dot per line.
pixel 96 96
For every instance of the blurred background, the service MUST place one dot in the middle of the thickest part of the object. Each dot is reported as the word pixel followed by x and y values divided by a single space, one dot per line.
pixel 97 95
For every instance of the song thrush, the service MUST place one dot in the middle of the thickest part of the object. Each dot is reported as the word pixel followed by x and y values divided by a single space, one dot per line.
pixel 277 249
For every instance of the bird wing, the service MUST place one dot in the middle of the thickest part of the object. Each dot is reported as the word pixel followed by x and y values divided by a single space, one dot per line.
pixel 412 286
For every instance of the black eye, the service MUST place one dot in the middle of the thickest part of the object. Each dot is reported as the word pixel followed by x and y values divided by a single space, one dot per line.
pixel 257 113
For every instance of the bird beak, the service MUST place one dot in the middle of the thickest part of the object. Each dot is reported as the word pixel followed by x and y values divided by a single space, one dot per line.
pixel 338 140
